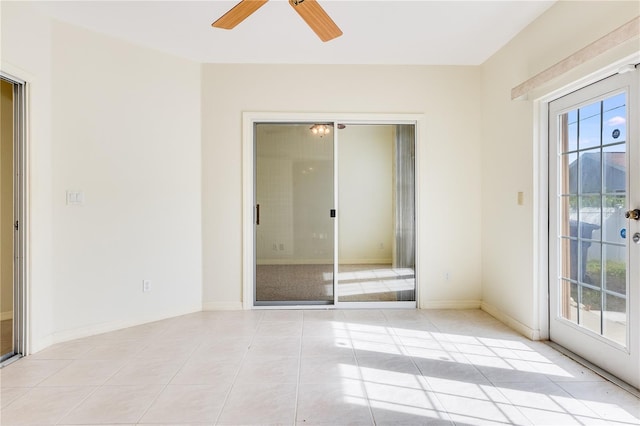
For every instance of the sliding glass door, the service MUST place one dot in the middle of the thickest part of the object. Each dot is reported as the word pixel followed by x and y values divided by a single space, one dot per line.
pixel 294 190
pixel 377 208
pixel 334 213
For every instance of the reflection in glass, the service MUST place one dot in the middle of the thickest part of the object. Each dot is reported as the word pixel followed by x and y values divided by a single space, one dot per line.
pixel 590 309
pixel 615 269
pixel 569 301
pixel 615 319
pixel 294 197
pixel 589 120
pixel 614 122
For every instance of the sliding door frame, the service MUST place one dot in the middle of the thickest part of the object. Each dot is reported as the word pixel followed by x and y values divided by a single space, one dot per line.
pixel 249 119
pixel 20 199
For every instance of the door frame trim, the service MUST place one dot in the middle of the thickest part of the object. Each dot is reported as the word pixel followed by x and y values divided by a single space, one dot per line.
pixel 248 190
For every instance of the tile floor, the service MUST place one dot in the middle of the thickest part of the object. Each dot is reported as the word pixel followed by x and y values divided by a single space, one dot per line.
pixel 358 367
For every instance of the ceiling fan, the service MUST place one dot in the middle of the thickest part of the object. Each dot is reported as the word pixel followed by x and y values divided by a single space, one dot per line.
pixel 310 10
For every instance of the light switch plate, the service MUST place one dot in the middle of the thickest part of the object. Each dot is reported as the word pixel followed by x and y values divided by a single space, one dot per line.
pixel 75 198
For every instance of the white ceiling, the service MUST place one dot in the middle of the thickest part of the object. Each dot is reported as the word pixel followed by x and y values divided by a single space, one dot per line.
pixel 375 32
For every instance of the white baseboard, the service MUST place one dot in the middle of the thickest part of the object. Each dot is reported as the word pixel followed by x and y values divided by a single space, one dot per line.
pixel 6 315
pixel 450 304
pixel 510 322
pixel 78 333
pixel 222 306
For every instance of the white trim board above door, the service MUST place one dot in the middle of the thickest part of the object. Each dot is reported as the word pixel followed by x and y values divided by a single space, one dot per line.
pixel 250 120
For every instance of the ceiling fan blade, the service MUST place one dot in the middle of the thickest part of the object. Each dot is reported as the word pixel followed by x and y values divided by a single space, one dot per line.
pixel 315 16
pixel 238 13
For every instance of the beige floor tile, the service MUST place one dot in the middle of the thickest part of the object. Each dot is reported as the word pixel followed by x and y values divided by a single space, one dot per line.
pixel 84 373
pixel 274 369
pixel 340 402
pixel 112 350
pixel 27 372
pixel 260 403
pixel 222 349
pixel 607 400
pixel 186 404
pixel 475 403
pixel 311 368
pixel 8 395
pixel 145 372
pixel 114 404
pixel 280 328
pixel 275 346
pixel 74 349
pixel 321 346
pixel 169 349
pixel 43 406
pixel 284 315
pixel 207 371
pixel 328 369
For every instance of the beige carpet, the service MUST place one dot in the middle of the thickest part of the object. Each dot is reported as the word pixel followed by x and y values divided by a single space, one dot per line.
pixel 357 283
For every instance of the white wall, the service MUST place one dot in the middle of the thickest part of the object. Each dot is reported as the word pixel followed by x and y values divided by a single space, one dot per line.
pixel 126 133
pixel 122 124
pixel 449 182
pixel 510 282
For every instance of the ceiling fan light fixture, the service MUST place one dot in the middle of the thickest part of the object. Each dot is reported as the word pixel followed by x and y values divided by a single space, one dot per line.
pixel 320 129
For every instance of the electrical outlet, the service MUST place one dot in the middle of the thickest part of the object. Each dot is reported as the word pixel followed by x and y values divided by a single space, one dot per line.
pixel 146 286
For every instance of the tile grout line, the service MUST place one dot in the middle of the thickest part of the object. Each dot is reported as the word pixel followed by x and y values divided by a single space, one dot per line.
pixel 364 388
pixel 166 385
pixel 295 406
pixel 235 376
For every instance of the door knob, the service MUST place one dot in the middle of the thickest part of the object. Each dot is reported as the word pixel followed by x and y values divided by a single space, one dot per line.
pixel 633 214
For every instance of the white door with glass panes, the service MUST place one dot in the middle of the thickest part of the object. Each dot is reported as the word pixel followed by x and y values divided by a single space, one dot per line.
pixel 594 234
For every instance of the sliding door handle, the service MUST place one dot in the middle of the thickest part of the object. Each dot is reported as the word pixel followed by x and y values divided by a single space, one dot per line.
pixel 257 214
pixel 332 213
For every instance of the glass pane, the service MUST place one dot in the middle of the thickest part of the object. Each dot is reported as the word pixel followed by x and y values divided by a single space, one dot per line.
pixel 569 219
pixel 590 172
pixel 590 307
pixel 615 319
pixel 570 175
pixel 294 192
pixel 614 119
pixel 572 131
pixel 592 272
pixel 615 169
pixel 615 269
pixel 568 301
pixel 589 126
pixel 569 267
pixel 614 222
pixel 376 217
